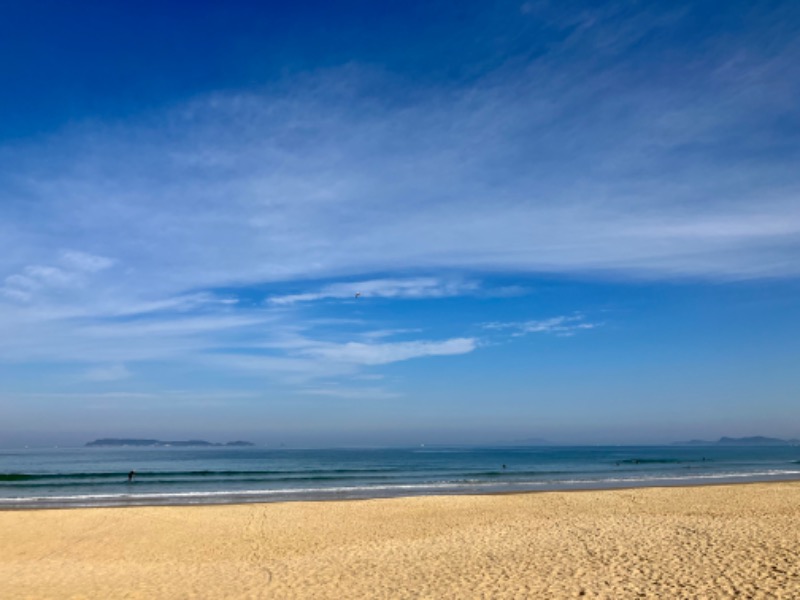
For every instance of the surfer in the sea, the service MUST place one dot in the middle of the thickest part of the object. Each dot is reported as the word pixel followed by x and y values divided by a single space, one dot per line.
pixel 131 476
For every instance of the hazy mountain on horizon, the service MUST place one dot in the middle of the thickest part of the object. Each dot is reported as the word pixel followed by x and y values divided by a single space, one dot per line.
pixel 150 442
pixel 757 440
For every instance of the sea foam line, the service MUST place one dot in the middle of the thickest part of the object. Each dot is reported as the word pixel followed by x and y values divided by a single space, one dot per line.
pixel 442 485
pixel 228 493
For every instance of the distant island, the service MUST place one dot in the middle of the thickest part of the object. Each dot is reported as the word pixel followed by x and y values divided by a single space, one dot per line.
pixel 757 440
pixel 105 442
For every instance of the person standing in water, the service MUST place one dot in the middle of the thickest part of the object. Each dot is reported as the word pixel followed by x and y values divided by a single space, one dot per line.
pixel 130 476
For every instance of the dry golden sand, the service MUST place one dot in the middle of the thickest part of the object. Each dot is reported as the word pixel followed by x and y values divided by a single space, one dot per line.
pixel 701 542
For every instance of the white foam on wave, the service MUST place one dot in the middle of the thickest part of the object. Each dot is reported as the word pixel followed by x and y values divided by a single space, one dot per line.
pixel 386 489
pixel 229 494
pixel 698 477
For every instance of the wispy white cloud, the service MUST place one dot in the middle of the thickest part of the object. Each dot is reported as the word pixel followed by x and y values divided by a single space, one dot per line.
pixel 381 354
pixel 283 368
pixel 115 238
pixel 176 326
pixel 92 339
pixel 351 393
pixel 36 282
pixel 264 343
pixel 564 325
pixel 298 359
pixel 176 304
pixel 318 179
pixel 35 278
pixel 378 334
pixel 83 261
pixel 413 288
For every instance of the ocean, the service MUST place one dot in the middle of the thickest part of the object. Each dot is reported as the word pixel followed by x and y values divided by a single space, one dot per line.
pixel 75 477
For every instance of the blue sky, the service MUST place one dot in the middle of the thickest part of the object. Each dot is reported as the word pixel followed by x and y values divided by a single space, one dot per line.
pixel 575 221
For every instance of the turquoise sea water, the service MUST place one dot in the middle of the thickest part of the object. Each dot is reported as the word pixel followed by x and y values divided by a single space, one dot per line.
pixel 62 477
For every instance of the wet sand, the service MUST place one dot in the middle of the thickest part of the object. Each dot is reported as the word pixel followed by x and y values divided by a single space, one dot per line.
pixel 694 542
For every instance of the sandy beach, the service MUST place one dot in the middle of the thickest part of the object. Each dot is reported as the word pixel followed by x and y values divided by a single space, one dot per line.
pixel 694 542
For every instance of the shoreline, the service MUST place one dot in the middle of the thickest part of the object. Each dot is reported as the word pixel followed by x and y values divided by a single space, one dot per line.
pixel 356 498
pixel 690 541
